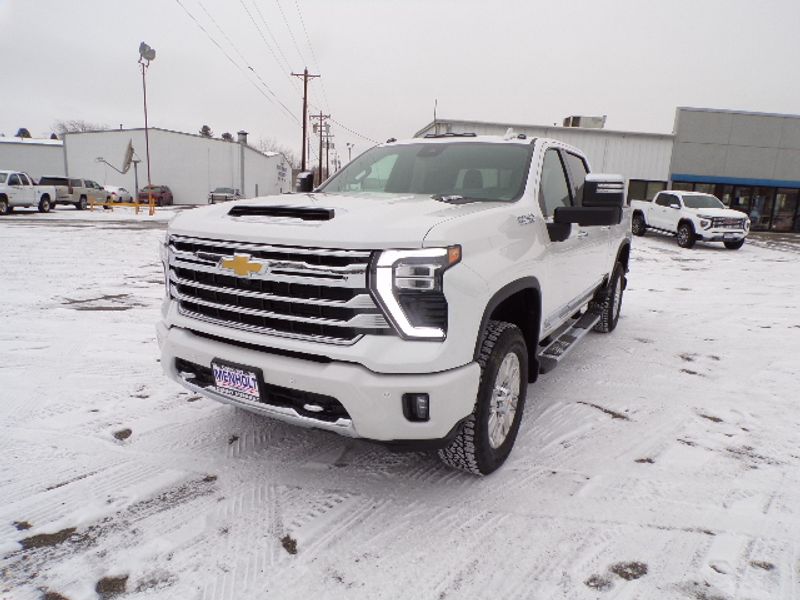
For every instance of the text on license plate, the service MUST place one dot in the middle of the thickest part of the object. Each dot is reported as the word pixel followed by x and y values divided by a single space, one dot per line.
pixel 239 382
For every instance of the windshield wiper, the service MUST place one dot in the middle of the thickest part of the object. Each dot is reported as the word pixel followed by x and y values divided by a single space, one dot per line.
pixel 454 199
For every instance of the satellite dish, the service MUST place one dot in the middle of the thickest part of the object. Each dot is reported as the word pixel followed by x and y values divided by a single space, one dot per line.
pixel 146 52
pixel 126 162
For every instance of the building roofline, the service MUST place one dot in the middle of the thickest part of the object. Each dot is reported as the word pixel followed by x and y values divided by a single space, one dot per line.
pixel 736 112
pixel 196 135
pixel 31 141
pixel 523 125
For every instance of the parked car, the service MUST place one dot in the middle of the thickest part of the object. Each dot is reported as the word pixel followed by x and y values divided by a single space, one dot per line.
pixel 410 299
pixel 118 194
pixel 161 193
pixel 223 194
pixel 17 189
pixel 78 192
pixel 690 217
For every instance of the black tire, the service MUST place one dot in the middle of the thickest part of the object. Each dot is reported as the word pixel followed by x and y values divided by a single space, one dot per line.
pixel 4 207
pixel 608 302
pixel 734 245
pixel 685 235
pixel 81 203
pixel 44 204
pixel 472 449
pixel 638 224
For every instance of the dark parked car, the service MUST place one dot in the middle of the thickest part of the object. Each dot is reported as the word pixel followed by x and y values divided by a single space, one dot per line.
pixel 161 194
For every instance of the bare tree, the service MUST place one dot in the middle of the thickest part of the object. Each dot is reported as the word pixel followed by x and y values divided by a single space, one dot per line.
pixel 227 136
pixel 76 126
pixel 272 145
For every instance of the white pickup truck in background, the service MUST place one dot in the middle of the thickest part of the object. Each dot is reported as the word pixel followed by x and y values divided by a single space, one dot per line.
pixel 18 189
pixel 690 217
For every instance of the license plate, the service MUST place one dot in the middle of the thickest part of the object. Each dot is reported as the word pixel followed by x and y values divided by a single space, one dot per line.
pixel 234 380
pixel 729 236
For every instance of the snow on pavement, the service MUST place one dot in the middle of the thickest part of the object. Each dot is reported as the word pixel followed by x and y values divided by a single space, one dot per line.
pixel 660 461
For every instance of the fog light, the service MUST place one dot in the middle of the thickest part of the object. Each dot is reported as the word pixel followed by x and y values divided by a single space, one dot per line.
pixel 416 407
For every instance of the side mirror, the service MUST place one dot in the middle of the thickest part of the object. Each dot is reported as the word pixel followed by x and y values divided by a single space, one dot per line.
pixel 601 190
pixel 588 215
pixel 675 205
pixel 305 182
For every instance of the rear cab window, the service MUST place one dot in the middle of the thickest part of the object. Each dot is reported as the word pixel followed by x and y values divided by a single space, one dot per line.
pixel 553 188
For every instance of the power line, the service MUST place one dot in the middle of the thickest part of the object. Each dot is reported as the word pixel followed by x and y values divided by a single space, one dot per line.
pixel 271 35
pixel 291 33
pixel 274 100
pixel 313 54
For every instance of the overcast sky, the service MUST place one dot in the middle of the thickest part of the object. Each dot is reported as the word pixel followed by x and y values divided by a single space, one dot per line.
pixel 385 62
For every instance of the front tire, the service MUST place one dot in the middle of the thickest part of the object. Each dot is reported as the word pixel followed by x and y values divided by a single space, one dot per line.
pixel 81 203
pixel 685 235
pixel 609 301
pixel 734 245
pixel 4 207
pixel 638 225
pixel 44 204
pixel 487 436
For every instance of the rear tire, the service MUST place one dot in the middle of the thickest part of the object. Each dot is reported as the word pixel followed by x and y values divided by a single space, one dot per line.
pixel 685 235
pixel 486 437
pixel 734 245
pixel 638 225
pixel 4 207
pixel 609 301
pixel 44 204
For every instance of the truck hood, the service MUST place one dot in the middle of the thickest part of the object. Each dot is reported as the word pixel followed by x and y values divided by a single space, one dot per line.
pixel 718 212
pixel 353 221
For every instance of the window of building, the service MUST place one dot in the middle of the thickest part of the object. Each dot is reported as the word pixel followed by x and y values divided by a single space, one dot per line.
pixel 643 189
pixel 682 186
pixel 783 219
pixel 553 189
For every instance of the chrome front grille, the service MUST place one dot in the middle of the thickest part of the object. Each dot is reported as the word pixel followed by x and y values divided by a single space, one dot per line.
pixel 304 293
pixel 727 223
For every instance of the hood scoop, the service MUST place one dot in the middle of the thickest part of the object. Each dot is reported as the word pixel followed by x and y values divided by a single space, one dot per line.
pixel 290 212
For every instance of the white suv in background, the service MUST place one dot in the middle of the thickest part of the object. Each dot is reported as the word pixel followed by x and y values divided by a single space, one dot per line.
pixel 691 217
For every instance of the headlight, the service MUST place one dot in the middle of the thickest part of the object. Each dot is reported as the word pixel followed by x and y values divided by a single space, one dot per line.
pixel 408 285
pixel 746 224
pixel 705 221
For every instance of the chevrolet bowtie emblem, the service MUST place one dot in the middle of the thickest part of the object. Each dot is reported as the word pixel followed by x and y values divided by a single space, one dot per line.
pixel 241 265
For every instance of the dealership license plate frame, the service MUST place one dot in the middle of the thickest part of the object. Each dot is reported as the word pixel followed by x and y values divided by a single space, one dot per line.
pixel 729 237
pixel 232 392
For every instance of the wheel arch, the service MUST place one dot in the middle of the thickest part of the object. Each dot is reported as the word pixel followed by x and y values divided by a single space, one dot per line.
pixel 686 220
pixel 624 254
pixel 518 302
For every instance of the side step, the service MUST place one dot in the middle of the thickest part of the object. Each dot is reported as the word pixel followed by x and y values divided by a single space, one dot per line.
pixel 566 341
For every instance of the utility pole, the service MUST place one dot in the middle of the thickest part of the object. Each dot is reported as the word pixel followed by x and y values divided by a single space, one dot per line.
pixel 320 129
pixel 306 76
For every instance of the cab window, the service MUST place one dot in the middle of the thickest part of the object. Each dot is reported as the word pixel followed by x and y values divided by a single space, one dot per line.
pixel 577 173
pixel 553 188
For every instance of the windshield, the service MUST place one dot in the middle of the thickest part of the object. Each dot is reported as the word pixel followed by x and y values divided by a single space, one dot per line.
pixel 702 201
pixel 223 190
pixel 3 177
pixel 473 170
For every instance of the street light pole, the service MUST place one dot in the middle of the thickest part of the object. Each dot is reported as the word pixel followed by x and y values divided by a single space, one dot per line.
pixel 146 54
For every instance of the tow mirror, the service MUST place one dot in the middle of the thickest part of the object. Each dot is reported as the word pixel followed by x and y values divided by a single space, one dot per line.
pixel 675 205
pixel 601 190
pixel 305 182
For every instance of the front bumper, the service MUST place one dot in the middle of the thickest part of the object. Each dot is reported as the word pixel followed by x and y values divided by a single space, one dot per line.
pixel 721 235
pixel 372 400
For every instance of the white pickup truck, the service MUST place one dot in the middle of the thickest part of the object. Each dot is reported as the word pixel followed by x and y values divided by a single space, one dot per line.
pixel 690 217
pixel 17 189
pixel 410 299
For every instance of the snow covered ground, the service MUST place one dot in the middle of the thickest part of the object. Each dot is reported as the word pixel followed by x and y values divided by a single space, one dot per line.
pixel 661 461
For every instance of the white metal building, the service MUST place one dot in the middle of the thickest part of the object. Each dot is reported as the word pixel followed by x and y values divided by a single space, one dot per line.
pixel 642 158
pixel 191 165
pixel 36 157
